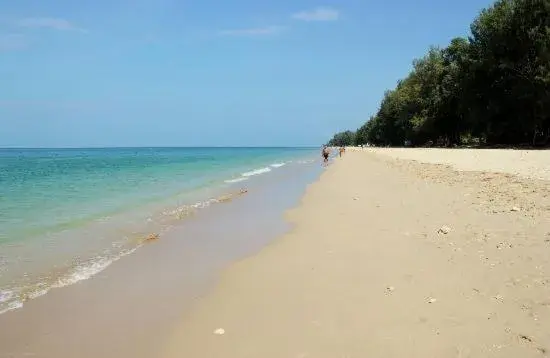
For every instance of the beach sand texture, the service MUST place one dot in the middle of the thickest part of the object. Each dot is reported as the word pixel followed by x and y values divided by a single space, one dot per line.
pixel 525 163
pixel 394 258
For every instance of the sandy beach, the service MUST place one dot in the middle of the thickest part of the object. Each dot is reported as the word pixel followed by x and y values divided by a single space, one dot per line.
pixel 394 253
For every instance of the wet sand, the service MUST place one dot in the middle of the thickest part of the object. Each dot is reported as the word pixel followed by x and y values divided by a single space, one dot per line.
pixel 393 258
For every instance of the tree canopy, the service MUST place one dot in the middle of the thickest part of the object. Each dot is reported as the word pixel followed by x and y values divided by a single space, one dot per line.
pixel 342 139
pixel 492 87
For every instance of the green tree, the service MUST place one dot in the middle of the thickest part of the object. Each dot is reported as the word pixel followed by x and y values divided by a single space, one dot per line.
pixel 343 139
pixel 510 61
pixel 494 86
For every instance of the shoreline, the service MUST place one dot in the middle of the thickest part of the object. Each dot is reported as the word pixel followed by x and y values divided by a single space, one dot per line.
pixel 389 257
pixel 143 294
pixel 37 258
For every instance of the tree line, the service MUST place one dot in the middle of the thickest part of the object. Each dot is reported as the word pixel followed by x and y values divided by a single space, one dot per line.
pixel 492 87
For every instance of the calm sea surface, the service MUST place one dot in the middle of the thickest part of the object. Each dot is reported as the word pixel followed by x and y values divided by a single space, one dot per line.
pixel 66 214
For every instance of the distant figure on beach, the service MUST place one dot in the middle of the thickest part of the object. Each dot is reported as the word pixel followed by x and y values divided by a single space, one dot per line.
pixel 325 153
pixel 342 150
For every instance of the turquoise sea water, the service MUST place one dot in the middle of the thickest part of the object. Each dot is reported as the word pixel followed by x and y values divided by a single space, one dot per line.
pixel 66 214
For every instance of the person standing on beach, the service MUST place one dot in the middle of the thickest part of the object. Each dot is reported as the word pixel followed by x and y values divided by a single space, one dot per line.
pixel 342 151
pixel 325 153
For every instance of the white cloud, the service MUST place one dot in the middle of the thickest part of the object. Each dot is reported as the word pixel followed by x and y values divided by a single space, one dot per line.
pixel 256 31
pixel 49 22
pixel 12 42
pixel 318 14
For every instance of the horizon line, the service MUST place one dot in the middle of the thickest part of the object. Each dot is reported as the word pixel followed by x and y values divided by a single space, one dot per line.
pixel 155 147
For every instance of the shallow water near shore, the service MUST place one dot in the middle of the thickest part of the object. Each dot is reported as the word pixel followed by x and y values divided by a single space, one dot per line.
pixel 67 214
pixel 128 308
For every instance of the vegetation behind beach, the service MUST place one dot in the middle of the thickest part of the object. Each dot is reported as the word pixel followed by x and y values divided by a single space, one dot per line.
pixel 491 88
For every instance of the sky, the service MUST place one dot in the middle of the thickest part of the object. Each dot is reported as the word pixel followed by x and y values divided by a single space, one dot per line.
pixel 98 73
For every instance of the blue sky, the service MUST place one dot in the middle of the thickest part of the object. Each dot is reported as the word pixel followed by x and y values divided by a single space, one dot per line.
pixel 187 73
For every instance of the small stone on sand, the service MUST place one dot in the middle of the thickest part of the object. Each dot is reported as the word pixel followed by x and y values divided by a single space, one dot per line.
pixel 515 208
pixel 444 230
pixel 432 300
pixel 526 338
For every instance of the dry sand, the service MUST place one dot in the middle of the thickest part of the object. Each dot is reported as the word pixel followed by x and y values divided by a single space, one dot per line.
pixel 393 258
pixel 525 163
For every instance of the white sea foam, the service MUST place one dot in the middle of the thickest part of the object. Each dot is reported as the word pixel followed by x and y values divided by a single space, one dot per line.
pixel 256 172
pixel 236 180
pixel 84 271
pixel 244 176
pixel 11 300
pixel 204 204
pixel 37 293
pixel 5 295
pixel 185 210
pixel 13 305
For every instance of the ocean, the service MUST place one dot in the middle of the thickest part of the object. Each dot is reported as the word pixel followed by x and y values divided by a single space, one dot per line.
pixel 67 214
